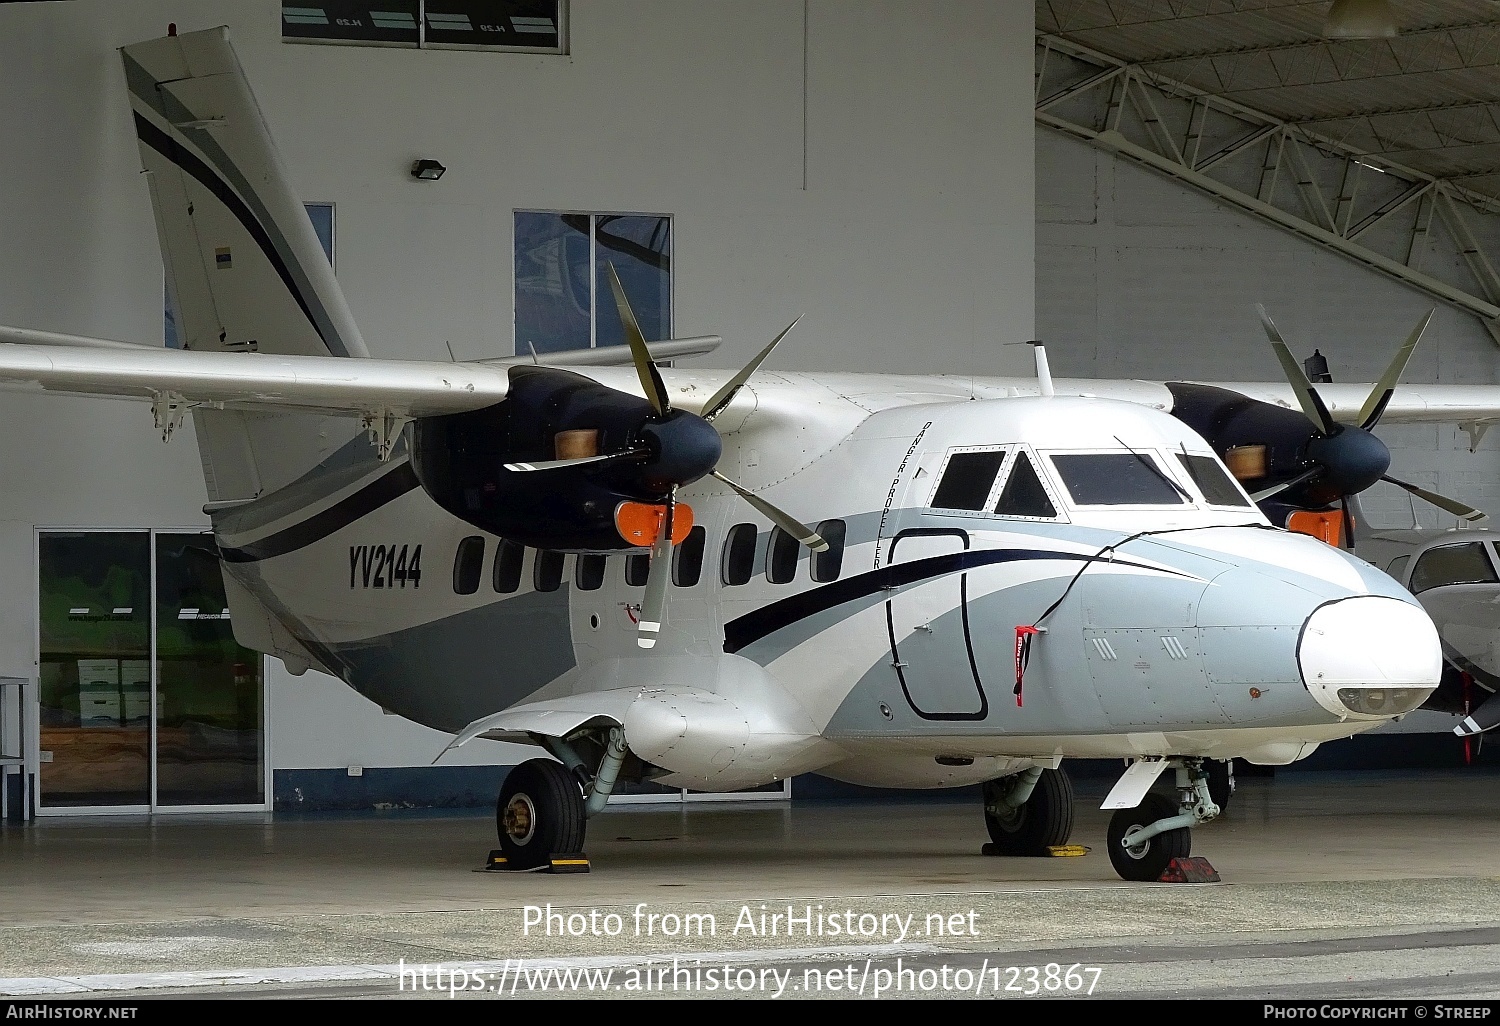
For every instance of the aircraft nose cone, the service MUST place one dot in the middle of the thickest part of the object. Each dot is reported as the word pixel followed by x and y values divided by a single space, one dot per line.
pixel 1369 657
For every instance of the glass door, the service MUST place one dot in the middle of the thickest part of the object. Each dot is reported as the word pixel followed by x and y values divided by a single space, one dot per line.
pixel 94 687
pixel 146 701
pixel 210 737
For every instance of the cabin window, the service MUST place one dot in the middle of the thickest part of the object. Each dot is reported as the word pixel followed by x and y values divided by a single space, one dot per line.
pixel 588 574
pixel 967 479
pixel 1117 479
pixel 506 577
pixel 1452 564
pixel 1023 494
pixel 468 565
pixel 781 557
pixel 549 570
pixel 1208 474
pixel 637 569
pixel 687 559
pixel 827 565
pixel 739 554
pixel 1398 566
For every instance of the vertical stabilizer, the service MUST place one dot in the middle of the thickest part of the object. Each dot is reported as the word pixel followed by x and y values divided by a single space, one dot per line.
pixel 245 271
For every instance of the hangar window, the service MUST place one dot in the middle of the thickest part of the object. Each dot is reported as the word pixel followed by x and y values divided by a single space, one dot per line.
pixel 548 573
pixel 563 297
pixel 739 554
pixel 687 559
pixel 637 569
pixel 967 478
pixel 1452 564
pixel 506 577
pixel 589 573
pixel 468 565
pixel 781 557
pixel 827 564
pixel 1023 494
pixel 1117 479
pixel 526 25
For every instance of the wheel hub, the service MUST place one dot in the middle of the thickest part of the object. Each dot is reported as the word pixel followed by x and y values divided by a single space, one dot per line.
pixel 520 819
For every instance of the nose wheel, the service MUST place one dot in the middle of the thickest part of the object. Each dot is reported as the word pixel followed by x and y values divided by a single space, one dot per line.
pixel 1147 859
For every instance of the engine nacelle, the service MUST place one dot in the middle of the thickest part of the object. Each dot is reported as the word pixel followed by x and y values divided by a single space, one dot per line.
pixel 555 414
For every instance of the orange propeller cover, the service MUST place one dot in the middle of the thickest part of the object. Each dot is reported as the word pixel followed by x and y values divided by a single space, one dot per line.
pixel 639 523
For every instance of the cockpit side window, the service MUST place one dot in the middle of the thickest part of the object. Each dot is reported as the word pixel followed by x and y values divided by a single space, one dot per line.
pixel 1023 494
pixel 1116 479
pixel 1466 563
pixel 1208 474
pixel 967 480
pixel 1398 566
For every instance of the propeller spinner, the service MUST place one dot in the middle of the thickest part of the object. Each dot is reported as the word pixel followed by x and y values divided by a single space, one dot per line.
pixel 1344 459
pixel 676 448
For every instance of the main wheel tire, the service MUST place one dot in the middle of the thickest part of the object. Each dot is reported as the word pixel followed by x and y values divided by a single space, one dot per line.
pixel 539 813
pixel 1147 861
pixel 1220 781
pixel 1046 819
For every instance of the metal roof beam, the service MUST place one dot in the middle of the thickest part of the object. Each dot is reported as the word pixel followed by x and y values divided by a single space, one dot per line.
pixel 1308 160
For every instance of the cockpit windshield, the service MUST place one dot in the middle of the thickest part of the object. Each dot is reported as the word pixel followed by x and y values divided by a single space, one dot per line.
pixel 1116 479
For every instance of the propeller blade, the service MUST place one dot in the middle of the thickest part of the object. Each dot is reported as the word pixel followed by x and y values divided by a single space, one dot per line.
pixel 579 462
pixel 724 396
pixel 1458 509
pixel 1481 719
pixel 1307 396
pixel 1380 395
pixel 1266 493
pixel 651 382
pixel 789 524
pixel 654 603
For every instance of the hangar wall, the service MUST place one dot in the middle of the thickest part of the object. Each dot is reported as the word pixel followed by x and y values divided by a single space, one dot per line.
pixel 867 163
pixel 1140 276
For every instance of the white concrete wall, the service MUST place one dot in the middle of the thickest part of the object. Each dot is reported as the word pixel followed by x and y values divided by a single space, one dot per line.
pixel 1140 276
pixel 888 197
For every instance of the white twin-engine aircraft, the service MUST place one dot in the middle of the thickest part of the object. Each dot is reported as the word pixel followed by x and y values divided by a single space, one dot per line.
pixel 718 580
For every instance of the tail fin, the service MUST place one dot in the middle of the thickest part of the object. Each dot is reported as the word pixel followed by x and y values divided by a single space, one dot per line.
pixel 245 270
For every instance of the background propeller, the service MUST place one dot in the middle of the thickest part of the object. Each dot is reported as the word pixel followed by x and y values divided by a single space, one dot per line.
pixel 675 450
pixel 1341 460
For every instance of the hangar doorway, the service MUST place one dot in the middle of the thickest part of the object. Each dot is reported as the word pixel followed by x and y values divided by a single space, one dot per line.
pixel 145 702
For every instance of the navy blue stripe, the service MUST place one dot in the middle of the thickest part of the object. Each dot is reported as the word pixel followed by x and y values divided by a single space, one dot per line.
pixel 341 514
pixel 175 152
pixel 767 620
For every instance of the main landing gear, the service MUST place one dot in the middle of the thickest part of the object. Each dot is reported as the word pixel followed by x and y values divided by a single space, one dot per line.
pixel 544 806
pixel 1143 840
pixel 1029 812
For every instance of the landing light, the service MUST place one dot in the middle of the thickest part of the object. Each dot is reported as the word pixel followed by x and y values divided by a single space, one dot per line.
pixel 1382 701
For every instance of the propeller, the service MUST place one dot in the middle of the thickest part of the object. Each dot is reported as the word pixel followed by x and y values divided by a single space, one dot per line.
pixel 1344 459
pixel 1484 718
pixel 677 448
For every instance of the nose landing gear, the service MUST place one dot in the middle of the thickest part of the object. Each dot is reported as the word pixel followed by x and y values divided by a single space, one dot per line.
pixel 1145 838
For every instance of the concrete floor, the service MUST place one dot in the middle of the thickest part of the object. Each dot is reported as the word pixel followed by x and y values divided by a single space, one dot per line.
pixel 1335 885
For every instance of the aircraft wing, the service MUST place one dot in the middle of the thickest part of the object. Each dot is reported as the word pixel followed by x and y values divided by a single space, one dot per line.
pixel 328 384
pixel 1409 404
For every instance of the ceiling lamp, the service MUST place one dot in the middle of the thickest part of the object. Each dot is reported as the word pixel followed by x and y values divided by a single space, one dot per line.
pixel 1360 19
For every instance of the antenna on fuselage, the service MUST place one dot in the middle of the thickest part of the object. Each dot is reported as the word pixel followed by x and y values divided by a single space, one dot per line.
pixel 1043 372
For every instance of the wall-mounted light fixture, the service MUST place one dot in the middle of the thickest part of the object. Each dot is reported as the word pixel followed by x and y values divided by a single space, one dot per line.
pixel 427 170
pixel 1360 19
